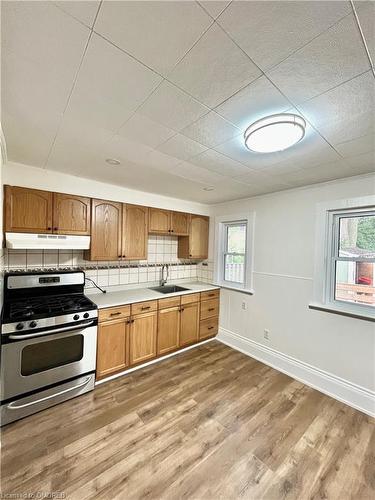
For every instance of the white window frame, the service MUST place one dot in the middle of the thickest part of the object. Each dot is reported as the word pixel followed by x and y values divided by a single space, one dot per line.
pixel 326 255
pixel 221 223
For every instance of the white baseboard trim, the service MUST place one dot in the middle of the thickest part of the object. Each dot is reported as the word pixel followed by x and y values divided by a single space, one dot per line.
pixel 351 394
pixel 153 361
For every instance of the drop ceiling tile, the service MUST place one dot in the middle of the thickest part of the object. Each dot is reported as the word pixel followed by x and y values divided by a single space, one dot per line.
pixel 359 145
pixel 345 112
pixel 156 33
pixel 366 15
pixel 270 31
pixel 110 86
pixel 263 180
pixel 211 130
pixel 172 107
pixel 127 150
pixel 212 160
pixel 214 7
pixel 181 147
pixel 258 99
pixel 214 69
pixel 141 129
pixel 197 174
pixel 83 11
pixel 361 164
pixel 36 76
pixel 333 57
pixel 161 161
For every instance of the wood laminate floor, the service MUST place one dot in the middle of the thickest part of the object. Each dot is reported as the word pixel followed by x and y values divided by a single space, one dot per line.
pixel 210 423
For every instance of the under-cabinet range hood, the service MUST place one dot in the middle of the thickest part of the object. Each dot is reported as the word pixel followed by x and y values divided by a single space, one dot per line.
pixel 31 241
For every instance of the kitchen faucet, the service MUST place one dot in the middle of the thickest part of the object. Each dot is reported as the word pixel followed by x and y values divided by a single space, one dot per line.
pixel 164 274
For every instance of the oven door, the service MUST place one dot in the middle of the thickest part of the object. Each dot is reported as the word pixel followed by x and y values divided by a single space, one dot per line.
pixel 38 361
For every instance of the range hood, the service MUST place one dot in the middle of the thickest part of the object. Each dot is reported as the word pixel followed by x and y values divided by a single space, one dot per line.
pixel 31 241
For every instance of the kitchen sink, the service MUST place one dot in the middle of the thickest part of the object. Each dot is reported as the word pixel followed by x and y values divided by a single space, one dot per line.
pixel 168 289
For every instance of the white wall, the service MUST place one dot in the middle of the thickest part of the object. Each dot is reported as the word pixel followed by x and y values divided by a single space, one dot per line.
pixel 18 174
pixel 283 282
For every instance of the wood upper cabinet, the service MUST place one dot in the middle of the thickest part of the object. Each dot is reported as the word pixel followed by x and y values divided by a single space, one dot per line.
pixel 28 210
pixel 113 347
pixel 106 222
pixel 142 337
pixel 189 328
pixel 195 246
pixel 179 223
pixel 134 232
pixel 168 330
pixel 71 214
pixel 159 221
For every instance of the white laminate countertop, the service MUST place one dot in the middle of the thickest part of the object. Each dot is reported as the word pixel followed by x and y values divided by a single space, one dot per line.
pixel 116 297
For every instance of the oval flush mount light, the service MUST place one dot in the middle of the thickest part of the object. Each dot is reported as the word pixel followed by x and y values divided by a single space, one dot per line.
pixel 275 133
pixel 113 161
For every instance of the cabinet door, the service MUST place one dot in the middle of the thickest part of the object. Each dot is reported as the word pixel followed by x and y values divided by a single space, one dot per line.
pixel 199 237
pixel 113 347
pixel 105 230
pixel 71 214
pixel 168 329
pixel 179 223
pixel 28 210
pixel 189 328
pixel 134 232
pixel 142 342
pixel 159 221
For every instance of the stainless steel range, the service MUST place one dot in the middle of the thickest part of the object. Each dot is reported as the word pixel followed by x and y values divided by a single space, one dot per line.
pixel 48 342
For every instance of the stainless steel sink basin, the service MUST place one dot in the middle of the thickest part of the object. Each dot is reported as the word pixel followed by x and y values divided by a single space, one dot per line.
pixel 168 289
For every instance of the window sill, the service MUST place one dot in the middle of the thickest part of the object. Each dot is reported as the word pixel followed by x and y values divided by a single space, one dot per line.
pixel 342 312
pixel 247 291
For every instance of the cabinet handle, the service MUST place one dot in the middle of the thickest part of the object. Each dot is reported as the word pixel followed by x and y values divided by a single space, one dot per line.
pixel 115 314
pixel 211 309
pixel 49 228
pixel 119 256
pixel 132 321
pixel 123 256
pixel 172 230
pixel 210 328
pixel 182 309
pixel 211 295
pixel 145 307
pixel 55 228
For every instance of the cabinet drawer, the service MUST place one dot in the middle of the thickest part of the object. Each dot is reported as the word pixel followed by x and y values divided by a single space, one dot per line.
pixel 211 294
pixel 209 308
pixel 190 298
pixel 208 327
pixel 143 307
pixel 170 302
pixel 114 313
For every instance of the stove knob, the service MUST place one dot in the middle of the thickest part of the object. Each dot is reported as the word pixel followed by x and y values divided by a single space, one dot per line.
pixel 86 315
pixel 76 316
pixel 20 326
pixel 33 324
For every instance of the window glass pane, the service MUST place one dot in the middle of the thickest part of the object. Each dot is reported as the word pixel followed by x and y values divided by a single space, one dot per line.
pixel 234 268
pixel 357 237
pixel 236 238
pixel 355 282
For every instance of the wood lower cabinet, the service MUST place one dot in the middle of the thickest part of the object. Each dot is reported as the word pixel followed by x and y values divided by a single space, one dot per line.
pixel 106 222
pixel 113 347
pixel 27 210
pixel 71 214
pixel 134 232
pixel 195 246
pixel 142 337
pixel 189 328
pixel 168 330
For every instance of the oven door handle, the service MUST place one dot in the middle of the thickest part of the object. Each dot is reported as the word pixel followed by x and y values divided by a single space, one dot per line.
pixel 57 330
pixel 15 406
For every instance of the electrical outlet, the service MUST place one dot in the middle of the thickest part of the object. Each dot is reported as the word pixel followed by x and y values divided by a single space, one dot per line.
pixel 244 305
pixel 266 334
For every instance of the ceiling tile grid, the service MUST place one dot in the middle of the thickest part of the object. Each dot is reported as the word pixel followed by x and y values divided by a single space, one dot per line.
pixel 169 87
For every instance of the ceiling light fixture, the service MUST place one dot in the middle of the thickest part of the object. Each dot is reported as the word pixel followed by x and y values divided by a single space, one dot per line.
pixel 275 133
pixel 113 161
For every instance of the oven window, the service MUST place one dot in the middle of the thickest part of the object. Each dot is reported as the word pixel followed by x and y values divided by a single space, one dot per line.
pixel 51 354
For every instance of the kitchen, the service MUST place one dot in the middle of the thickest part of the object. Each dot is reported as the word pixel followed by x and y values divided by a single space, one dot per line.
pixel 188 266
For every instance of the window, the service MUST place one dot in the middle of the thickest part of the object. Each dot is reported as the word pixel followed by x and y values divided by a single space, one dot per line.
pixel 344 278
pixel 351 267
pixel 234 251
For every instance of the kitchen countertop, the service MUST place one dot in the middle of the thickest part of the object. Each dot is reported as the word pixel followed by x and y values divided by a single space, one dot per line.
pixel 117 297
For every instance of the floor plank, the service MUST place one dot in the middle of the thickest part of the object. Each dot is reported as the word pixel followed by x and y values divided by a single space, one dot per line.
pixel 210 423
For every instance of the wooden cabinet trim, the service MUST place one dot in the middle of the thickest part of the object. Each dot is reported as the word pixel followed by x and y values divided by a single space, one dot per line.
pixel 134 232
pixel 113 348
pixel 159 221
pixel 144 307
pixel 135 338
pixel 63 224
pixel 99 244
